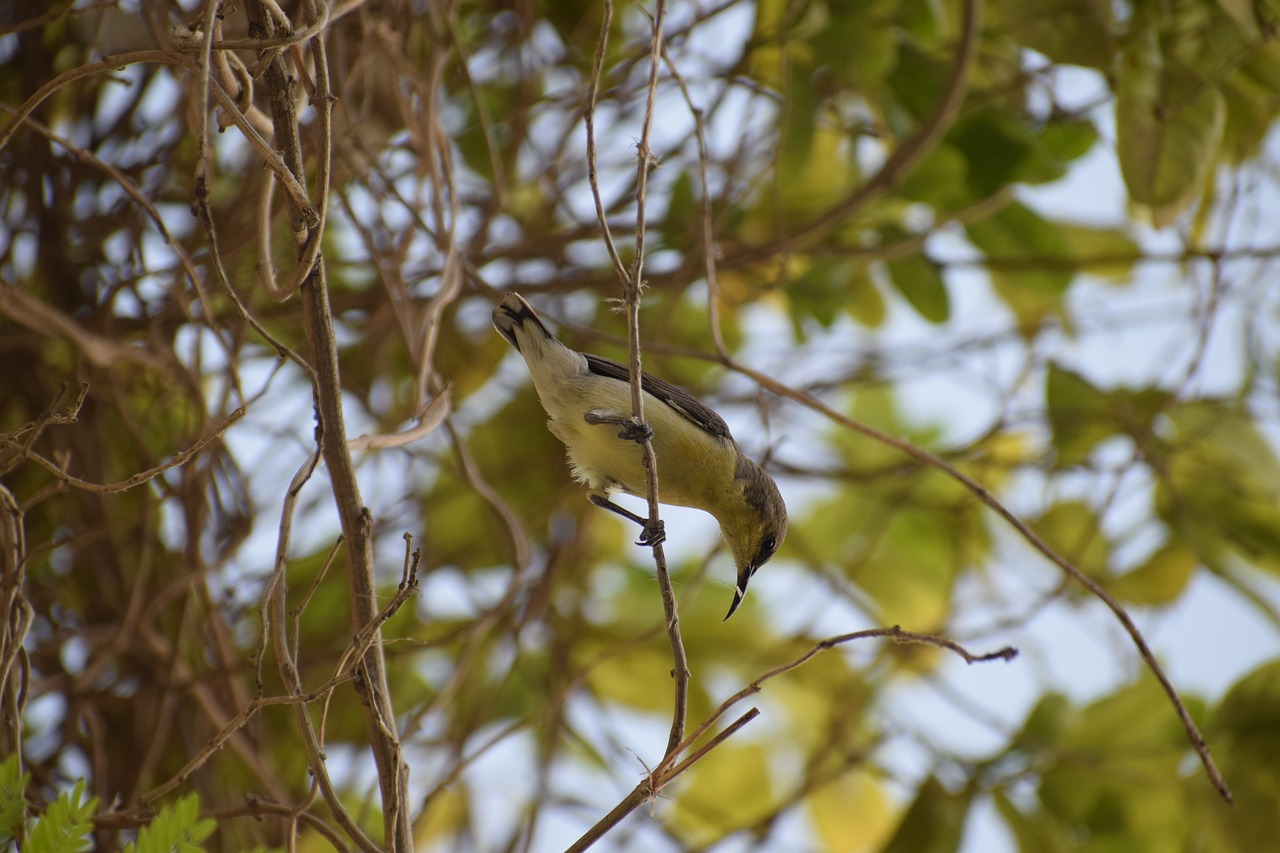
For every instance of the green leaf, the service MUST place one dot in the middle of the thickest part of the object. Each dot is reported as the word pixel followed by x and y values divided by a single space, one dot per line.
pixel 1160 580
pixel 998 147
pixel 1031 262
pixel 863 300
pixel 1169 123
pixel 1073 530
pixel 912 567
pixel 1039 832
pixel 933 823
pixel 1077 415
pixel 919 280
pixel 854 41
pixel 1081 415
pixel 1262 67
pixel 1064 139
pixel 1045 724
pixel 176 827
pixel 1221 489
pixel 1076 33
pixel 1117 779
pixel 1251 93
pixel 816 168
pixel 817 294
pixel 442 817
pixel 917 83
pixel 939 180
pixel 13 803
pixel 1245 734
pixel 1252 705
pixel 798 145
pixel 1101 251
pixel 833 287
pixel 1016 232
pixel 65 825
pixel 683 211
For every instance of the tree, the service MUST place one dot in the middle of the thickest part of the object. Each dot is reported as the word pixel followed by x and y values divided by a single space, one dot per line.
pixel 282 526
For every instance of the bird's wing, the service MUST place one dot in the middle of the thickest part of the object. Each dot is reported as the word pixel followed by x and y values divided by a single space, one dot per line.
pixel 689 406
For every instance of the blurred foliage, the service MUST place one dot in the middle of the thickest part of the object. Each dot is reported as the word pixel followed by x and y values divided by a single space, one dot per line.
pixel 1111 376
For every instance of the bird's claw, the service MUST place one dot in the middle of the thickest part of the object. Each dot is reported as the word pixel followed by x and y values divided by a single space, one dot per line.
pixel 654 533
pixel 633 429
pixel 636 430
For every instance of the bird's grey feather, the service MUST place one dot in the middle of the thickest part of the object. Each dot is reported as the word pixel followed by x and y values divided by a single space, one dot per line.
pixel 693 409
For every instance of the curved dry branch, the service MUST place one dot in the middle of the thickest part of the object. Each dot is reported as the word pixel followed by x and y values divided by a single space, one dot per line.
pixel 357 522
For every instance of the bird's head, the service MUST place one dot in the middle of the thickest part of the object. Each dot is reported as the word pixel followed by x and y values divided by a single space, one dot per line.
pixel 757 528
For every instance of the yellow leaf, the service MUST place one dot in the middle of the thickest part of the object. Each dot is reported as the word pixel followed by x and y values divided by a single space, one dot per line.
pixel 853 814
pixel 1073 529
pixel 445 814
pixel 1159 580
pixel 726 791
pixel 639 679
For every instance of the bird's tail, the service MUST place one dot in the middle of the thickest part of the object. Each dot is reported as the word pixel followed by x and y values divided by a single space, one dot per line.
pixel 515 313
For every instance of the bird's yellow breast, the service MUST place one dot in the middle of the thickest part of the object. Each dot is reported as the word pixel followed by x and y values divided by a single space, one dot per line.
pixel 694 467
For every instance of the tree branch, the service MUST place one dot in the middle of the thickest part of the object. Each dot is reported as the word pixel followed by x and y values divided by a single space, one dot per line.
pixel 357 522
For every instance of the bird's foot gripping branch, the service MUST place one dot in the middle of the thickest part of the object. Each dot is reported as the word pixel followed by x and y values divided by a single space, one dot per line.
pixel 651 532
pixel 633 429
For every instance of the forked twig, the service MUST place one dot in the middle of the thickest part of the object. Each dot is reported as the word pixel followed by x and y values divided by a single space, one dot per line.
pixel 668 769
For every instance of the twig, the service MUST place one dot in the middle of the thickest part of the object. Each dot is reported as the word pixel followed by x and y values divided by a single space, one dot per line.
pixel 632 288
pixel 983 495
pixel 894 633
pixel 17 615
pixel 274 613
pixel 653 784
pixel 632 283
pixel 431 417
pixel 178 459
pixel 589 116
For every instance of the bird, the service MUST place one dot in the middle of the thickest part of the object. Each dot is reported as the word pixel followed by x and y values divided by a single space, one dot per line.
pixel 588 403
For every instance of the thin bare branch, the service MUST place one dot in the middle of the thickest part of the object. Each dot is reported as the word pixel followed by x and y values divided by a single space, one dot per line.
pixel 648 789
pixel 177 460
pixel 632 285
pixel 357 522
pixel 597 70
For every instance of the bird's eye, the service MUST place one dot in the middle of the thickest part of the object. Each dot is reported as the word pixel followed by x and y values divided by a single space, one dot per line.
pixel 768 544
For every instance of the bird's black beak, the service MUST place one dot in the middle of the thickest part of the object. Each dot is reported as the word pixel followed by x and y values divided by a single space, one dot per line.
pixel 740 591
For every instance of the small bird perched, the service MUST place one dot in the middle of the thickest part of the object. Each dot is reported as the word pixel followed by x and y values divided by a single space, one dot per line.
pixel 699 464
